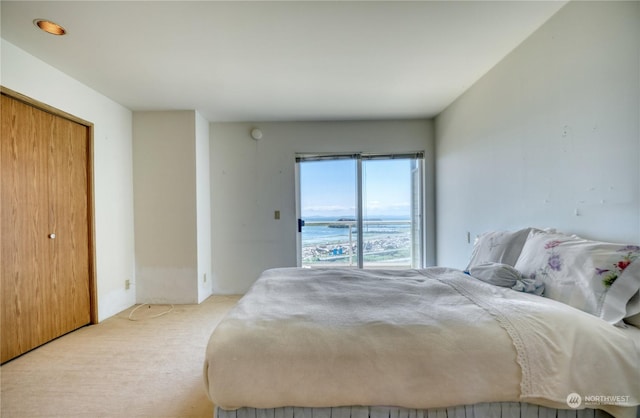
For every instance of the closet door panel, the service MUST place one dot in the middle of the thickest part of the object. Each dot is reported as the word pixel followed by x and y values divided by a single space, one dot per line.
pixel 24 255
pixel 68 220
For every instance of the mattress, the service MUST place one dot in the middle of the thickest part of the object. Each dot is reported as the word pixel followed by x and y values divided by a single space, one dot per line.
pixel 415 339
pixel 483 410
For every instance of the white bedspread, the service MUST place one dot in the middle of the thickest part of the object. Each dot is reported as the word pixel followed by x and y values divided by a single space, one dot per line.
pixel 412 338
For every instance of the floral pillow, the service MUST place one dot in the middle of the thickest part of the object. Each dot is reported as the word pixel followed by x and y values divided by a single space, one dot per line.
pixel 498 247
pixel 596 277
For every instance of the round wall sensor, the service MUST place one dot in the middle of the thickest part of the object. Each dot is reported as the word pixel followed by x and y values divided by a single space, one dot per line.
pixel 256 133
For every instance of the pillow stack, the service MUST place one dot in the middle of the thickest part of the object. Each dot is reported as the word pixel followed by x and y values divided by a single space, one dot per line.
pixel 600 278
pixel 493 258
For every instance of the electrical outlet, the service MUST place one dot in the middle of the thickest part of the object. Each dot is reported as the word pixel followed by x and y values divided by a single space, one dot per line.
pixel 276 214
pixel 127 284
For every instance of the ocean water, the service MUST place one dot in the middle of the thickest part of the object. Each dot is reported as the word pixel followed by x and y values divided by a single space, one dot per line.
pixel 321 235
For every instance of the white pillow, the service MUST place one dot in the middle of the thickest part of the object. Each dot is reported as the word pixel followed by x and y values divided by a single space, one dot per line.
pixel 596 277
pixel 498 247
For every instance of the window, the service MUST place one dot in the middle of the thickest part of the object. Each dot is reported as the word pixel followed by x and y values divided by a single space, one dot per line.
pixel 360 210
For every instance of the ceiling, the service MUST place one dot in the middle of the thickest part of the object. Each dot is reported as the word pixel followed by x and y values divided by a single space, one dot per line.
pixel 278 61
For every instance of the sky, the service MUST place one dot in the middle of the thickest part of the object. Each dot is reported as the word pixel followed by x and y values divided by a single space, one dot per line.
pixel 328 188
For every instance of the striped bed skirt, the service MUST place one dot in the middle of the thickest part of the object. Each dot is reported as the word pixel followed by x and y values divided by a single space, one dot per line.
pixel 482 410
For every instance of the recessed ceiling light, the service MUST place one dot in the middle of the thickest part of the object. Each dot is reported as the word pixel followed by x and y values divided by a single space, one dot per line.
pixel 50 27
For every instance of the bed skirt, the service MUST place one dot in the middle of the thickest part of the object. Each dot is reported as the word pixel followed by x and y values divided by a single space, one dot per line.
pixel 482 410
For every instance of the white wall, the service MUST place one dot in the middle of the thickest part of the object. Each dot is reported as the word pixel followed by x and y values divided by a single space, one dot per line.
pixel 203 207
pixel 552 129
pixel 251 179
pixel 112 166
pixel 164 155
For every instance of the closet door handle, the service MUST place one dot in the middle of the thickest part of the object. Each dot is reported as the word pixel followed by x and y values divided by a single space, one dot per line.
pixel 52 236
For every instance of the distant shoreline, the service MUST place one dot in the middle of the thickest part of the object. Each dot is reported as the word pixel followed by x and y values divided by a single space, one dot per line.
pixel 339 249
pixel 316 218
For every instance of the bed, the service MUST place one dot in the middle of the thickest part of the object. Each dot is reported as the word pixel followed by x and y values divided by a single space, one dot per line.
pixel 540 324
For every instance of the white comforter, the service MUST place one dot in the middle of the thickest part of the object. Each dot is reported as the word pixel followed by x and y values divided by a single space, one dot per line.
pixel 416 339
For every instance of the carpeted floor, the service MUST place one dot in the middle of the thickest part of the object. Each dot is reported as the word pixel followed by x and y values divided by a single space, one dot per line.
pixel 147 367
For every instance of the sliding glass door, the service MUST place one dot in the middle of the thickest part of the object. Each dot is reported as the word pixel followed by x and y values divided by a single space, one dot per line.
pixel 328 210
pixel 360 210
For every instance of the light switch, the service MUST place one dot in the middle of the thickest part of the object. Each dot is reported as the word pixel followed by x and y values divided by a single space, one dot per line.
pixel 276 214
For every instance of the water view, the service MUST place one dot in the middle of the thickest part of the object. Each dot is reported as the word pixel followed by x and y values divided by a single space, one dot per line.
pixel 333 241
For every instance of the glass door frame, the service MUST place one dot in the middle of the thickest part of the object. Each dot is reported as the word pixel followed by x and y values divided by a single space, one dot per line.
pixel 417 156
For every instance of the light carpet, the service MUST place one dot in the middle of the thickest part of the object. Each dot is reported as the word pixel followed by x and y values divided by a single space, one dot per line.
pixel 147 367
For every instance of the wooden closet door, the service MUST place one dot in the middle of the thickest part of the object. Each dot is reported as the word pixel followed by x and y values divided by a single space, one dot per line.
pixel 68 220
pixel 44 278
pixel 24 218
